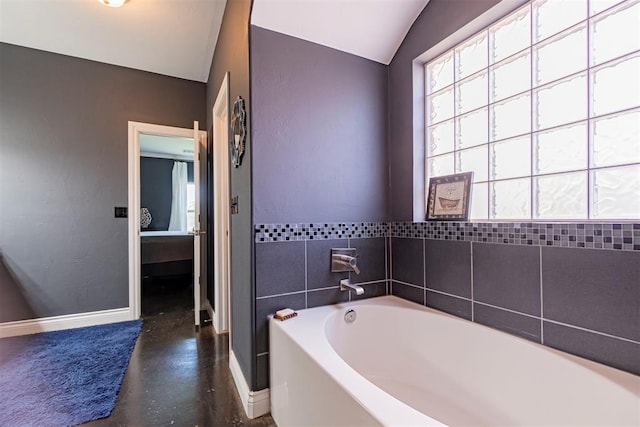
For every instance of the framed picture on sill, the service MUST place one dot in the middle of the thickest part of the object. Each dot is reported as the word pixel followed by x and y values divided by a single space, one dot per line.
pixel 449 197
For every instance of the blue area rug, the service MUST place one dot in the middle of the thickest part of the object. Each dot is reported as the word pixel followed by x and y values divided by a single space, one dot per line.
pixel 64 378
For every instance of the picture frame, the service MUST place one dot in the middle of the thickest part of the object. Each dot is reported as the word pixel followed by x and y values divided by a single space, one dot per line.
pixel 449 197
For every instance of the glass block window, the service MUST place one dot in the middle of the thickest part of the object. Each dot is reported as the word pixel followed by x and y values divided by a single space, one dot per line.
pixel 544 107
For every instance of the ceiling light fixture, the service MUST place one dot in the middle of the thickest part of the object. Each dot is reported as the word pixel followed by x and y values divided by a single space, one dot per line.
pixel 113 3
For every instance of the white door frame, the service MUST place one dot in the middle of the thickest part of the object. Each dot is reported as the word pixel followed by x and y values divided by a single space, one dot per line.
pixel 221 223
pixel 135 129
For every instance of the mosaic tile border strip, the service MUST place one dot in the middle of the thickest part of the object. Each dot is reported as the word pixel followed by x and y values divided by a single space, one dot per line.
pixel 319 231
pixel 624 237
pixel 613 236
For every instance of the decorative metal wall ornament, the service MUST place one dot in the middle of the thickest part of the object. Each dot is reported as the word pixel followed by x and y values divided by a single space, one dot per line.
pixel 145 218
pixel 238 131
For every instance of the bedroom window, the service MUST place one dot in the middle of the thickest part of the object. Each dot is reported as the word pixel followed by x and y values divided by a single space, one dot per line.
pixel 544 107
pixel 191 206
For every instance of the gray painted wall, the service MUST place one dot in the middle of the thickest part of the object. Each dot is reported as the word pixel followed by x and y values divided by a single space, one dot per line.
pixel 438 20
pixel 232 55
pixel 156 189
pixel 63 168
pixel 319 123
pixel 319 132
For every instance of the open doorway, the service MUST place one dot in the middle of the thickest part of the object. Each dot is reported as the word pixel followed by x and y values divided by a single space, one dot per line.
pixel 164 219
pixel 167 220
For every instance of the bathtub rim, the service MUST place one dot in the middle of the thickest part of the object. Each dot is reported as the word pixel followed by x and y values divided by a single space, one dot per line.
pixel 382 406
pixel 320 350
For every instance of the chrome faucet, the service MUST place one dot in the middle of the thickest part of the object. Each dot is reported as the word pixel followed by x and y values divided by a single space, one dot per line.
pixel 345 285
pixel 344 259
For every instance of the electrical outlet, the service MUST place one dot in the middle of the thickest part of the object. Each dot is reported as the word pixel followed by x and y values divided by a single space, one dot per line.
pixel 234 205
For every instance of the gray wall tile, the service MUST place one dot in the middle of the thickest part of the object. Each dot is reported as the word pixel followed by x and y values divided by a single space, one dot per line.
pixel 507 276
pixel 407 292
pixel 319 273
pixel 279 268
pixel 595 289
pixel 610 351
pixel 407 261
pixel 371 290
pixel 448 266
pixel 267 306
pixel 371 260
pixel 516 324
pixel 262 371
pixel 326 297
pixel 456 306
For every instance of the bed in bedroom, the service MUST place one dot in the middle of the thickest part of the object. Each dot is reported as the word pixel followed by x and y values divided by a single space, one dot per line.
pixel 166 253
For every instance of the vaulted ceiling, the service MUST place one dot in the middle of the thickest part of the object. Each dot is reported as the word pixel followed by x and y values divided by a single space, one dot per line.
pixel 373 29
pixel 177 37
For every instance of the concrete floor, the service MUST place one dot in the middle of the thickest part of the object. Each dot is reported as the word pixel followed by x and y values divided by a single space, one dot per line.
pixel 177 376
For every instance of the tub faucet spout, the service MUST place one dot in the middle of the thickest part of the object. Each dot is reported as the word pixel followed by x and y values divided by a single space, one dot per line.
pixel 345 285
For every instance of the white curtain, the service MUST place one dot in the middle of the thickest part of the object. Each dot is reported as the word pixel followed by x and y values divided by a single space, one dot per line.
pixel 178 220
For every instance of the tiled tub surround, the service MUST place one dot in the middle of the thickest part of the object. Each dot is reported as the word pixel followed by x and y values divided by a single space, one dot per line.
pixel 575 287
pixel 583 301
pixel 297 274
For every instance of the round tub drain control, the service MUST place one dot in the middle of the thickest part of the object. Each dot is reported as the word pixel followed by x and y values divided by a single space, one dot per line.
pixel 350 316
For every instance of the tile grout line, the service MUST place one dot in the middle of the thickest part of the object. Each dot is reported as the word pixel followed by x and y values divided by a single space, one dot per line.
pixel 387 242
pixel 424 270
pixel 473 318
pixel 306 288
pixel 507 309
pixel 541 302
pixel 390 266
pixel 372 282
pixel 281 295
pixel 435 291
pixel 349 273
pixel 604 334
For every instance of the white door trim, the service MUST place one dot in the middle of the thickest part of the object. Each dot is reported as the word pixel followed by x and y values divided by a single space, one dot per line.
pixel 221 239
pixel 133 174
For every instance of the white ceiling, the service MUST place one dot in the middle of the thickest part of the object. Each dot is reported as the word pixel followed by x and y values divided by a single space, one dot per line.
pixel 373 29
pixel 166 145
pixel 177 37
pixel 171 37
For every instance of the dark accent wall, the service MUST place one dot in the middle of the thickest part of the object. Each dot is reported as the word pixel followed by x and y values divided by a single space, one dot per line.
pixel 156 185
pixel 319 131
pixel 63 168
pixel 232 55
pixel 438 20
pixel 319 123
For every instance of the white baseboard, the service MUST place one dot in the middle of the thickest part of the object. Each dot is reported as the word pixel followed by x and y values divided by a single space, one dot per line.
pixel 255 403
pixel 67 321
pixel 212 316
pixel 209 308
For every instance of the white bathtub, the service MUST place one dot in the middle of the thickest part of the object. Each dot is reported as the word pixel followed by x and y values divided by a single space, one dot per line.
pixel 403 364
